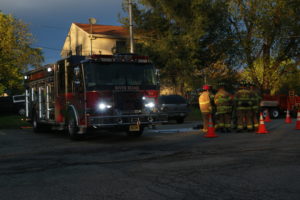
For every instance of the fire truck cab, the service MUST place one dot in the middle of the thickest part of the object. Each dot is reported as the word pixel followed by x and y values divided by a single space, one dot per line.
pixel 97 92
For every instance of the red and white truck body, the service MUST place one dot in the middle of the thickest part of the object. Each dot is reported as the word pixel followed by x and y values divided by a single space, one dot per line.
pixel 278 104
pixel 97 92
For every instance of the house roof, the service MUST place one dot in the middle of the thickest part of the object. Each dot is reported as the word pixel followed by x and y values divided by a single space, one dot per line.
pixel 116 31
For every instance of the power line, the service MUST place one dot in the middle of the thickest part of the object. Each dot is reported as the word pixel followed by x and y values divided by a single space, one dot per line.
pixel 49 27
pixel 50 48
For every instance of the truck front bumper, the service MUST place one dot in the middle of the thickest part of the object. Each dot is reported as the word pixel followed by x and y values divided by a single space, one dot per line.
pixel 126 120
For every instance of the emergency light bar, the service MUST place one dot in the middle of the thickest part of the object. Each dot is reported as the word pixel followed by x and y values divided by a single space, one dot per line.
pixel 121 58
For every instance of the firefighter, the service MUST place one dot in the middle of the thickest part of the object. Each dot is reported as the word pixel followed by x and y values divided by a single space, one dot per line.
pixel 256 98
pixel 243 106
pixel 206 105
pixel 223 102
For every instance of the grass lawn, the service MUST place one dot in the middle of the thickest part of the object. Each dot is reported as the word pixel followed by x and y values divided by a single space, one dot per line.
pixel 12 121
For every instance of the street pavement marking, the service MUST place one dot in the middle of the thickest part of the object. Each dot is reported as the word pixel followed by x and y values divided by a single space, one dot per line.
pixel 176 130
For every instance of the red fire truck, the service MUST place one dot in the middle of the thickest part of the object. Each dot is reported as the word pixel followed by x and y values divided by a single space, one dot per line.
pixel 97 92
pixel 278 104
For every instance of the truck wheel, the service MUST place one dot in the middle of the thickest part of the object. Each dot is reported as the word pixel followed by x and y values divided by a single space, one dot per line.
pixel 294 113
pixel 274 113
pixel 264 113
pixel 21 111
pixel 73 128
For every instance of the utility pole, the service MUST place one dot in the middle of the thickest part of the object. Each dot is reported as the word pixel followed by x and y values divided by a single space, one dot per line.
pixel 91 37
pixel 91 21
pixel 130 26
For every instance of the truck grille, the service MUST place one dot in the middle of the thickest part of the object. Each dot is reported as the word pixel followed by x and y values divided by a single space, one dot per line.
pixel 103 121
pixel 128 101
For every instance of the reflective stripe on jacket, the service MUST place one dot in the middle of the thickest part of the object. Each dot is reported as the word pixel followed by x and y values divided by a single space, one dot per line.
pixel 223 102
pixel 205 102
pixel 243 100
pixel 256 98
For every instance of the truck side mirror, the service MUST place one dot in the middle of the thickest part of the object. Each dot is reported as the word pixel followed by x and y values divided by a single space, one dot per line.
pixel 157 72
pixel 77 82
pixel 157 76
pixel 76 71
pixel 77 75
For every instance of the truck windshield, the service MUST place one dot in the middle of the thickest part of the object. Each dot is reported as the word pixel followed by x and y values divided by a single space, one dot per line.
pixel 99 75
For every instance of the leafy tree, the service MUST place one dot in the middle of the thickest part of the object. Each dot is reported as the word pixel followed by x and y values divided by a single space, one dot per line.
pixel 15 53
pixel 268 35
pixel 281 83
pixel 184 38
pixel 193 40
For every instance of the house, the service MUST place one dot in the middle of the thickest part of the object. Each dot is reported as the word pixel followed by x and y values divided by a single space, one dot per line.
pixel 86 39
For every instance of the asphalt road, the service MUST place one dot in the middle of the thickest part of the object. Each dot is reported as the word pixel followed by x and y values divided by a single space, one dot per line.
pixel 170 162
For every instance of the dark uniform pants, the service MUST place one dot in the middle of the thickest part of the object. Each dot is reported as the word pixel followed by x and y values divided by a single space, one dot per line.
pixel 244 119
pixel 223 121
pixel 255 118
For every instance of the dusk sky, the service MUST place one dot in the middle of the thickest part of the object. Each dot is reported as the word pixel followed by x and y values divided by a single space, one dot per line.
pixel 50 20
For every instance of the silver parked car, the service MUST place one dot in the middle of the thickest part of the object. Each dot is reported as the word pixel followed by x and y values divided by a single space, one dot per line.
pixel 175 106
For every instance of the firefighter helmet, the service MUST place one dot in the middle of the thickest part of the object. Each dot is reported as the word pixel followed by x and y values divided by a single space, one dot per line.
pixel 206 87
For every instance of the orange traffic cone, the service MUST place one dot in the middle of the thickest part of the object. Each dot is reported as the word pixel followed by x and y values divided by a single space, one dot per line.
pixel 267 119
pixel 298 121
pixel 288 118
pixel 210 129
pixel 262 127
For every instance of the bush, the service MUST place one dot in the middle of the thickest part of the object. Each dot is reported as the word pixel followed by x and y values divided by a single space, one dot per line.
pixel 12 121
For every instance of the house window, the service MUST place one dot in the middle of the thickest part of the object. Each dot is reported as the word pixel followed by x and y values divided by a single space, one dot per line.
pixel 79 50
pixel 121 47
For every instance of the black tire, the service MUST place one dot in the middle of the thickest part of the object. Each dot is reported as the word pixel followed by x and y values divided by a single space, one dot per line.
pixel 22 111
pixel 180 120
pixel 274 113
pixel 72 127
pixel 264 112
pixel 294 113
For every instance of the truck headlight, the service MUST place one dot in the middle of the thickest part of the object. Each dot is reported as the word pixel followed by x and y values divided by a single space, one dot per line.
pixel 150 105
pixel 149 102
pixel 103 106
